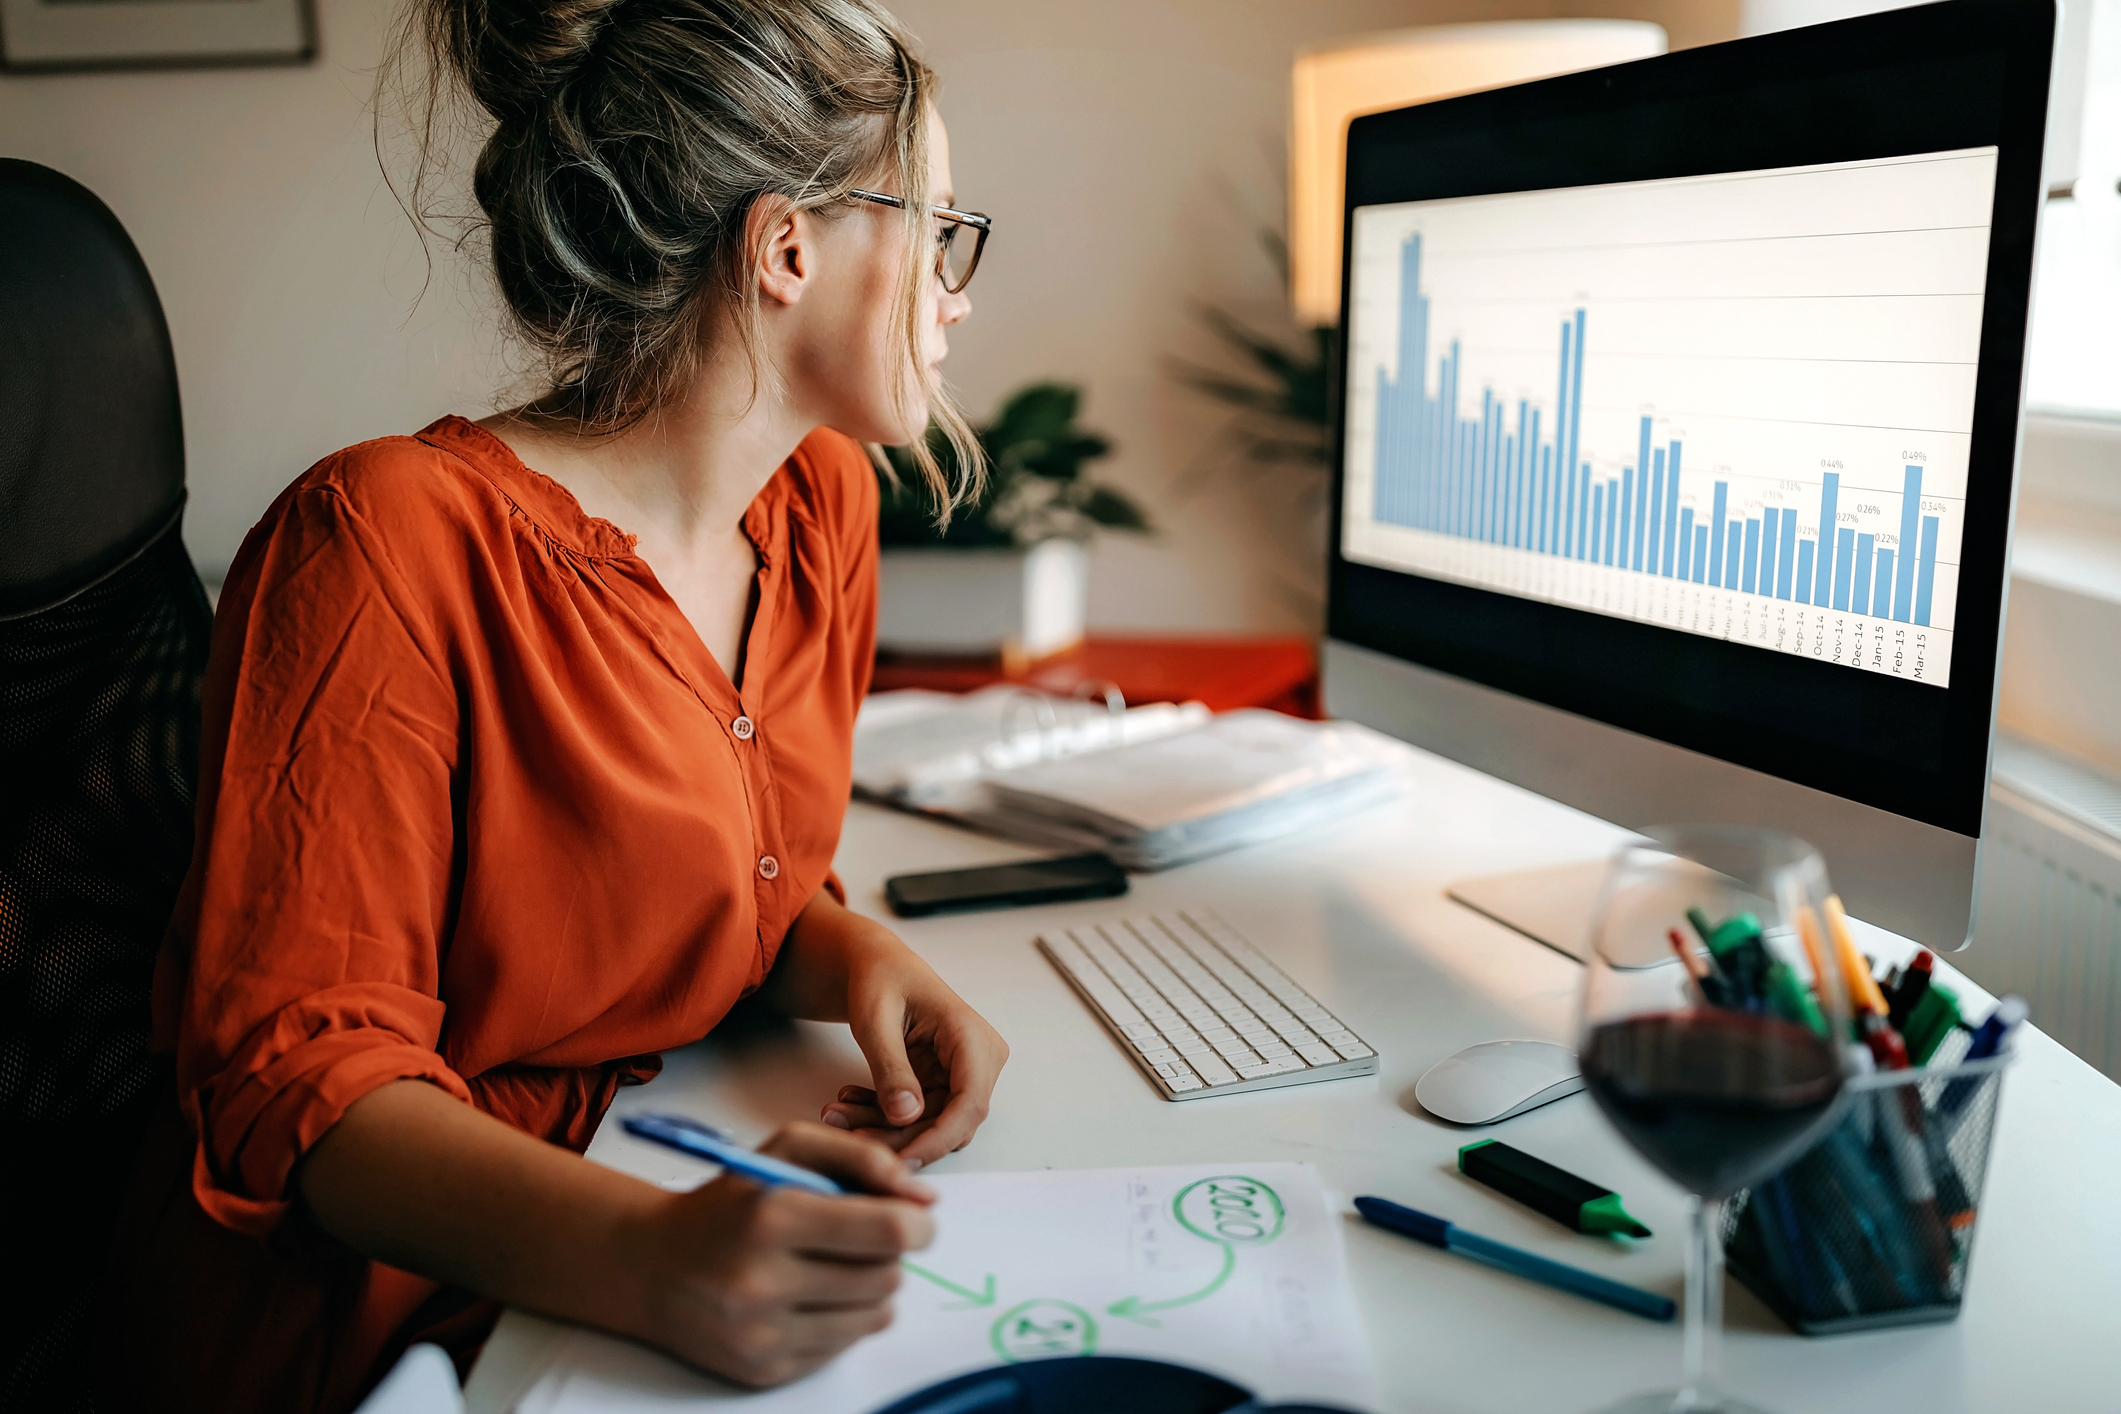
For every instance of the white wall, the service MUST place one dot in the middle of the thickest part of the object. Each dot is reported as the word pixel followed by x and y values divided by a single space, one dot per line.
pixel 1767 16
pixel 285 267
pixel 1127 149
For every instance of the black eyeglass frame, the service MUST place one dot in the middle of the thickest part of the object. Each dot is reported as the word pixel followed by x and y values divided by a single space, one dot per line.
pixel 981 225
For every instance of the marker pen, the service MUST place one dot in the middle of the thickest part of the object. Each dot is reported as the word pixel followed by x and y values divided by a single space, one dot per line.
pixel 1573 1202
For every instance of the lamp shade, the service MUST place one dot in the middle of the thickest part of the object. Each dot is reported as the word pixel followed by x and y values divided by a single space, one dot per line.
pixel 1371 73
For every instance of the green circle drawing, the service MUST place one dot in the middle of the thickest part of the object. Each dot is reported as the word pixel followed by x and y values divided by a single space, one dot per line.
pixel 1041 1329
pixel 1230 1208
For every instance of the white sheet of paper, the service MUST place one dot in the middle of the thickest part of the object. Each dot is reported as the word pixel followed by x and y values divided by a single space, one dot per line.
pixel 1234 1269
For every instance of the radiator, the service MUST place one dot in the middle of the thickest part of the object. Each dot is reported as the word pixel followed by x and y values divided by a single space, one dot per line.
pixel 2047 923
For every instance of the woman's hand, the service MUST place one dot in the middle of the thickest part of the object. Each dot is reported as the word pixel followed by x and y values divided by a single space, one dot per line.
pixel 756 1284
pixel 933 1060
pixel 762 1285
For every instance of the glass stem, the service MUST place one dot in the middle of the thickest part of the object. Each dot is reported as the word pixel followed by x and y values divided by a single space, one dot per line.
pixel 1701 1389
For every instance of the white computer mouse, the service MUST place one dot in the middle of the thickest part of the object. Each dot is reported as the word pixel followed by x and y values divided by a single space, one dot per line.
pixel 1497 1080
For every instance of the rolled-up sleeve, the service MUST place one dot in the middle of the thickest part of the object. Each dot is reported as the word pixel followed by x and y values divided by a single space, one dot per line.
pixel 303 965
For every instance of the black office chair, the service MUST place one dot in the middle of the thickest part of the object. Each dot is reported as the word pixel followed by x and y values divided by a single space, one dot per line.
pixel 103 638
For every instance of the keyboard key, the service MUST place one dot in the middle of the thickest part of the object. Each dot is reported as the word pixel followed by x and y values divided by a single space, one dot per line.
pixel 1194 1049
pixel 1354 1050
pixel 1317 1055
pixel 1212 1070
pixel 1183 1083
pixel 1232 1047
pixel 1162 1055
pixel 1212 1034
pixel 1266 1068
pixel 1272 1050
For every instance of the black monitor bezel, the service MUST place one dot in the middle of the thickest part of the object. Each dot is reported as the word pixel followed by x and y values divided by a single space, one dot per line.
pixel 1783 100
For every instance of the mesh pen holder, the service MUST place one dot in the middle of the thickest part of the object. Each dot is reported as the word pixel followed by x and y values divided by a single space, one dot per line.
pixel 1873 1226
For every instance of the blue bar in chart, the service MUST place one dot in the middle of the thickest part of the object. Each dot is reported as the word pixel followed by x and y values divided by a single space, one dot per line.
pixel 1788 547
pixel 1926 575
pixel 1904 582
pixel 1770 531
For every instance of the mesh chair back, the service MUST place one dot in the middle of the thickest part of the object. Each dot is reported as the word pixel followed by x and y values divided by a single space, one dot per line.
pixel 103 639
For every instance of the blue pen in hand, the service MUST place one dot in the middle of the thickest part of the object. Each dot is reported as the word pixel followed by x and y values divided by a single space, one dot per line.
pixel 1438 1232
pixel 691 1137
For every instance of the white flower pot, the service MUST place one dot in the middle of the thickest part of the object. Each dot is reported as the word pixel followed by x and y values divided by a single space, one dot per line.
pixel 1021 604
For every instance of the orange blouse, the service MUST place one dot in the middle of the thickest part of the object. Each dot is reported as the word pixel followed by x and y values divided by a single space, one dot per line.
pixel 476 806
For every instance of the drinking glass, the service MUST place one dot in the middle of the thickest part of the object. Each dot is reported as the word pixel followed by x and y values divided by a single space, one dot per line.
pixel 1713 1037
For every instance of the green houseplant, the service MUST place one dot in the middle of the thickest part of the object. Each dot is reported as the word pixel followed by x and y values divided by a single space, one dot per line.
pixel 1004 576
pixel 1036 488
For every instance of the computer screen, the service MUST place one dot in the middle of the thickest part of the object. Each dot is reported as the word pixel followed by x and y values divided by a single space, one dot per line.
pixel 1683 395
pixel 1737 405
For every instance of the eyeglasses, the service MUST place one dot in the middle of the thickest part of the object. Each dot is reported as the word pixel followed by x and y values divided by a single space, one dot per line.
pixel 958 244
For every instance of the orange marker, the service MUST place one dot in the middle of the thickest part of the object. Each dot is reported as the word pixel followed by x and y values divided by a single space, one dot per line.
pixel 1855 972
pixel 1808 931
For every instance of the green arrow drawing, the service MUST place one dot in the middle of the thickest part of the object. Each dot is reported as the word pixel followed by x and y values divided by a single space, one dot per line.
pixel 971 1297
pixel 1133 1306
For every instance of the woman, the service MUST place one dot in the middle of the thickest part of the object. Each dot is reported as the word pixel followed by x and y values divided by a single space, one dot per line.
pixel 528 741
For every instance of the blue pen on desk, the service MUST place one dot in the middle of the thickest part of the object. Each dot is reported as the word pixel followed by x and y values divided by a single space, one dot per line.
pixel 1438 1232
pixel 691 1137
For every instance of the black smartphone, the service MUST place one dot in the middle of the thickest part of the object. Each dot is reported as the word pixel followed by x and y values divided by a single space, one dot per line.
pixel 1006 885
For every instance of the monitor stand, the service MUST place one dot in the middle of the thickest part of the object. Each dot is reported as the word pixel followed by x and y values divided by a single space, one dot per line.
pixel 1551 905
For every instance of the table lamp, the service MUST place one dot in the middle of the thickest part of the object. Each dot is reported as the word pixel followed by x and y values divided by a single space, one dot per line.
pixel 1343 78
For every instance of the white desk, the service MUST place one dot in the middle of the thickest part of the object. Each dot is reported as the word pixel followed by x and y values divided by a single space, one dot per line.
pixel 1357 914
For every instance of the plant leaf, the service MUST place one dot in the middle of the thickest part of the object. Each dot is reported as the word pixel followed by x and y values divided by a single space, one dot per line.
pixel 1039 413
pixel 1111 508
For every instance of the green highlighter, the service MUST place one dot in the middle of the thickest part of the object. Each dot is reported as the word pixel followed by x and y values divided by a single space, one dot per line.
pixel 1571 1201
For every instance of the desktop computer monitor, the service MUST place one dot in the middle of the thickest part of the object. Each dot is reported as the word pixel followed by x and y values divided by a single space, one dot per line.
pixel 1676 439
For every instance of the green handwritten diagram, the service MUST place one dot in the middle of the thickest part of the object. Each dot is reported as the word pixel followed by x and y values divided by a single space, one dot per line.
pixel 1229 1211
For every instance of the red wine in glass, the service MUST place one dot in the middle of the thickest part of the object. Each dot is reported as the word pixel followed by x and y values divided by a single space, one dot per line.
pixel 1715 1098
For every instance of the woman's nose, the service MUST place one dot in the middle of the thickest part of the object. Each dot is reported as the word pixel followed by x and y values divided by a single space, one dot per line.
pixel 953 309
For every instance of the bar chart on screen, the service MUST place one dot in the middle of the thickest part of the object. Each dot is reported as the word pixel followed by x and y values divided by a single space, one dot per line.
pixel 1737 405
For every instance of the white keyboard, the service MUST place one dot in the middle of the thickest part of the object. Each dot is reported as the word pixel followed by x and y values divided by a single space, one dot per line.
pixel 1200 1010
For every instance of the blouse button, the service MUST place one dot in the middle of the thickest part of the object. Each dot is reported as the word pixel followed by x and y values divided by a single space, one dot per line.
pixel 769 867
pixel 743 729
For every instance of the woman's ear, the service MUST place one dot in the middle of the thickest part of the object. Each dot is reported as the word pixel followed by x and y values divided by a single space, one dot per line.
pixel 784 239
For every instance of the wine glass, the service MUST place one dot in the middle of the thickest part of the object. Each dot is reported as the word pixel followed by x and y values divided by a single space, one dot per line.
pixel 1713 1036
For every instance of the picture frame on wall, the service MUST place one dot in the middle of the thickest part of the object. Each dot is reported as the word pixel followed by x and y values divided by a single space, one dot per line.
pixel 41 36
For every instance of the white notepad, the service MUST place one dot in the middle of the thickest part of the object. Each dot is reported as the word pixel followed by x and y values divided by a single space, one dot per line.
pixel 924 749
pixel 1239 778
pixel 1235 1269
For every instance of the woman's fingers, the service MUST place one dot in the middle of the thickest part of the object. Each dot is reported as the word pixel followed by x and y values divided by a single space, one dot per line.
pixel 824 1334
pixel 880 1030
pixel 976 1054
pixel 951 1130
pixel 864 1116
pixel 845 1286
pixel 850 1229
pixel 850 1160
